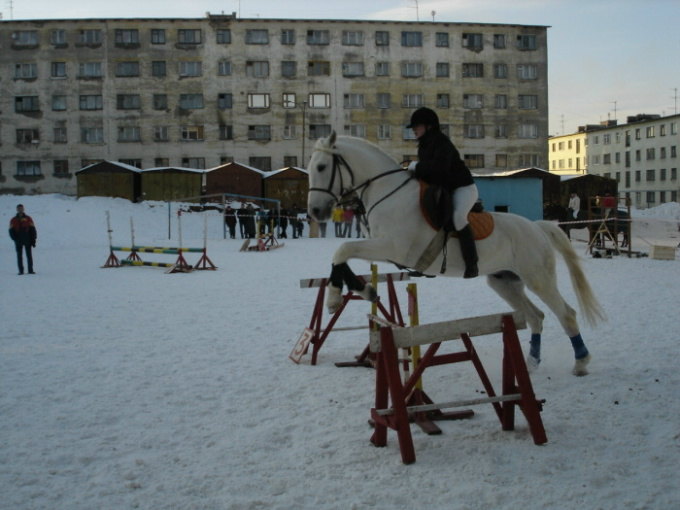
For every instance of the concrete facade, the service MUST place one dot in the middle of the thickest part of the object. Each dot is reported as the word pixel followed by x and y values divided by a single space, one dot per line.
pixel 202 92
pixel 641 156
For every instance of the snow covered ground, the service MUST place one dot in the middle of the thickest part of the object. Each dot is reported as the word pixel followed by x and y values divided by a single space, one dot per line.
pixel 130 388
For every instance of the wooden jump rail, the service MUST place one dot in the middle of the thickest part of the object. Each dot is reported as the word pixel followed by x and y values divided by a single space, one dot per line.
pixel 316 334
pixel 392 397
pixel 179 266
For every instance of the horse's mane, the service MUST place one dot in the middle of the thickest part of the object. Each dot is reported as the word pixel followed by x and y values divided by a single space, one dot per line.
pixel 324 145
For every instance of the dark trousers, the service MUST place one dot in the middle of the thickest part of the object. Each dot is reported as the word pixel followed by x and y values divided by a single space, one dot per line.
pixel 20 259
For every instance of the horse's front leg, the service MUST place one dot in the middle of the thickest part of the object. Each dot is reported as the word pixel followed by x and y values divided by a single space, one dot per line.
pixel 341 274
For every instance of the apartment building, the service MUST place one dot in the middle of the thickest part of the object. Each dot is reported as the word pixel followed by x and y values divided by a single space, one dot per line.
pixel 642 155
pixel 201 92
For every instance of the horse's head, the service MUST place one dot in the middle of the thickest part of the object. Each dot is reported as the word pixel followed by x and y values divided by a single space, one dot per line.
pixel 326 184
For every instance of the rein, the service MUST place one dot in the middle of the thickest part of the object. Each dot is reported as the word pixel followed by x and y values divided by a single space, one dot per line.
pixel 339 161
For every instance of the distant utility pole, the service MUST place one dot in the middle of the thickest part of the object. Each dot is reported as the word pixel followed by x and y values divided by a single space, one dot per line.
pixel 614 109
pixel 417 10
pixel 675 100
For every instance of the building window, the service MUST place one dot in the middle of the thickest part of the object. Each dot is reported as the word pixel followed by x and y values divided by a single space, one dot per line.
pixel 474 42
pixel 527 131
pixel 160 101
pixel 90 37
pixel 289 68
pixel 90 70
pixel 650 131
pixel 290 161
pixel 473 101
pixel 28 136
pixel 382 38
pixel 58 70
pixel 382 68
pixel 442 69
pixel 257 36
pixel 161 162
pixel 128 102
pixel 157 36
pixel 26 104
pixel 411 69
pixel 384 132
pixel 126 37
pixel 226 132
pixel 189 36
pixel 160 134
pixel 223 36
pixel 224 68
pixel 443 101
pixel 527 102
pixel 407 134
pixel 25 71
pixel 257 69
pixel 499 41
pixel 528 160
pixel 129 134
pixel 412 100
pixel 501 160
pixel 91 102
pixel 474 160
pixel 352 69
pixel 26 168
pixel 662 174
pixel 198 163
pixel 58 103
pixel 674 152
pixel 158 68
pixel 288 100
pixel 318 37
pixel 441 40
pixel 473 70
pixel 650 176
pixel 473 131
pixel 225 101
pixel 411 39
pixel 258 100
pixel 260 132
pixel 191 133
pixel 384 100
pixel 191 101
pixel 289 132
pixel 638 175
pixel 500 71
pixel 352 38
pixel 319 131
pixel 189 69
pixel 651 154
pixel 353 100
pixel 319 100
pixel 287 36
pixel 318 68
pixel 263 163
pixel 526 42
pixel 60 167
pixel 357 130
pixel 94 135
pixel 127 69
pixel 527 71
pixel 58 37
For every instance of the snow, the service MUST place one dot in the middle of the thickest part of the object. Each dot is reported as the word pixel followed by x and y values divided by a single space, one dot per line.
pixel 130 388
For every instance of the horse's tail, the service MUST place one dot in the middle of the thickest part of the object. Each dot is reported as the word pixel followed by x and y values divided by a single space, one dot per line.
pixel 588 303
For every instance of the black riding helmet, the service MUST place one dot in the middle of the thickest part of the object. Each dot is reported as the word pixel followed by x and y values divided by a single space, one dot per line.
pixel 424 116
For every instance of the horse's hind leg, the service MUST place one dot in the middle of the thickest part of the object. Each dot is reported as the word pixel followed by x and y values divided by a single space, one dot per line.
pixel 547 291
pixel 511 288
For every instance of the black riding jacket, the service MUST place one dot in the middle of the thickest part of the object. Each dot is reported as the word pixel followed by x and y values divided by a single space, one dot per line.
pixel 439 162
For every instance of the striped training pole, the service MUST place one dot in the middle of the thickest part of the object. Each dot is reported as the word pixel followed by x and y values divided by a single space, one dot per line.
pixel 414 320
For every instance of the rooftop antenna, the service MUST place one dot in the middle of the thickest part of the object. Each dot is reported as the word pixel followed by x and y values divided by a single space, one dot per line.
pixel 417 10
pixel 562 122
pixel 675 99
pixel 614 109
pixel 434 13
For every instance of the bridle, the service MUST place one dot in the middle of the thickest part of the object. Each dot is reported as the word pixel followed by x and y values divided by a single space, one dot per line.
pixel 347 194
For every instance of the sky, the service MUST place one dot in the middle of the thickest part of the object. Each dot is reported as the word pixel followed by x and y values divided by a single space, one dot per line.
pixel 607 58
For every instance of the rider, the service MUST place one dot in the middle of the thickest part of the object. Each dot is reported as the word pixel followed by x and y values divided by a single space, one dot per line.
pixel 439 163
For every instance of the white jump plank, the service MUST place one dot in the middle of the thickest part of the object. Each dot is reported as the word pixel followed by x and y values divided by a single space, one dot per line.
pixel 310 283
pixel 448 405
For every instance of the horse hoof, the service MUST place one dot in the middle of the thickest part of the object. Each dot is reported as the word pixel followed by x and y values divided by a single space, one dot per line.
pixel 532 363
pixel 581 366
pixel 369 293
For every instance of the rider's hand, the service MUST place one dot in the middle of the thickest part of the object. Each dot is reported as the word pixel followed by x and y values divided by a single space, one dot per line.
pixel 412 166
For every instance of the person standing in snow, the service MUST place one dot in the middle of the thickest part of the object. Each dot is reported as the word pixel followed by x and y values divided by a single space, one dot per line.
pixel 23 233
pixel 574 205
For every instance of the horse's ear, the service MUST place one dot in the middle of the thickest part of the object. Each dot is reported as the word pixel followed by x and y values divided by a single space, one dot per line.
pixel 331 139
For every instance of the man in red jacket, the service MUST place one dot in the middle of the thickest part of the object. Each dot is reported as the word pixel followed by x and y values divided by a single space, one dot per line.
pixel 23 233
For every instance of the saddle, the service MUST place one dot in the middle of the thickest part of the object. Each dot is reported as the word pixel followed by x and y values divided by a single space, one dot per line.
pixel 437 209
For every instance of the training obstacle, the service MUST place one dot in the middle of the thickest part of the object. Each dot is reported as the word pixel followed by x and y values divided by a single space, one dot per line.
pixel 265 242
pixel 316 334
pixel 180 265
pixel 394 407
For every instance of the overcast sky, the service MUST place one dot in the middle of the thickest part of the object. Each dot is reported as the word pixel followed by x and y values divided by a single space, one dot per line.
pixel 604 55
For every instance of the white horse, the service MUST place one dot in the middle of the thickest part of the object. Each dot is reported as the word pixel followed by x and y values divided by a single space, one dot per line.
pixel 518 252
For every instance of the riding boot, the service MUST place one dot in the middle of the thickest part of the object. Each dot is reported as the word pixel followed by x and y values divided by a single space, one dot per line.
pixel 469 251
